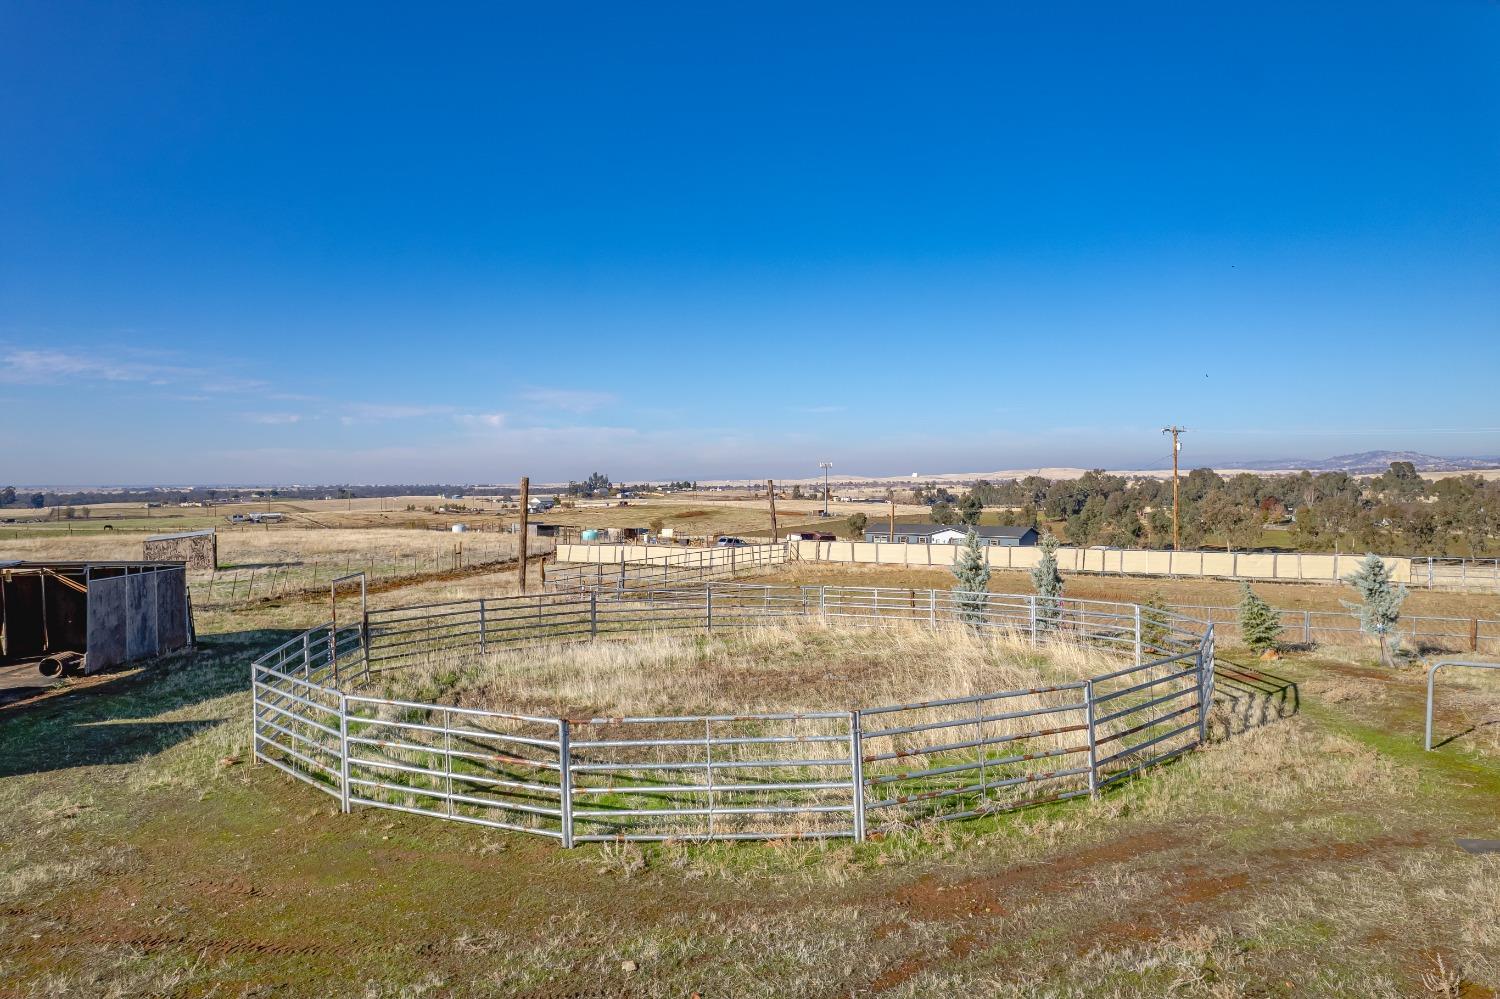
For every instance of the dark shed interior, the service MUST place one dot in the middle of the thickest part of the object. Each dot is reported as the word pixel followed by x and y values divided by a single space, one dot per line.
pixel 108 612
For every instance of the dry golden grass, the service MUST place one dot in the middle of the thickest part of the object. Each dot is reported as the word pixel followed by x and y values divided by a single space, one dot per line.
pixel 278 545
pixel 798 665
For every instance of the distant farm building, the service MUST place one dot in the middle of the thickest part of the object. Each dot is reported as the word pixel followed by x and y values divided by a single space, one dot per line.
pixel 198 549
pixel 941 534
pixel 256 518
pixel 88 616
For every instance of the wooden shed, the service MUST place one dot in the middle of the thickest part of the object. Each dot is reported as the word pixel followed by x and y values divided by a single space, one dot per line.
pixel 107 612
pixel 199 549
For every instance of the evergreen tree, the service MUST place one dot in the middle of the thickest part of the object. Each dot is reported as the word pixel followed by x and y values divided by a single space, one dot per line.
pixel 1381 608
pixel 972 570
pixel 1048 582
pixel 1259 624
pixel 857 523
pixel 970 508
pixel 1155 621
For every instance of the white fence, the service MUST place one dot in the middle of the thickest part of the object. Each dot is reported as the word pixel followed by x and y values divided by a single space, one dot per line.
pixel 1481 574
pixel 1284 566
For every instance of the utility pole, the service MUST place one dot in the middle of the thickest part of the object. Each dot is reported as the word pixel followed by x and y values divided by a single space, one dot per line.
pixel 525 498
pixel 892 536
pixel 771 495
pixel 1174 430
pixel 825 466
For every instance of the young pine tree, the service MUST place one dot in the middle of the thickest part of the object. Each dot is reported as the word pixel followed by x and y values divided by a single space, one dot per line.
pixel 972 569
pixel 1155 622
pixel 1381 607
pixel 1259 624
pixel 1048 582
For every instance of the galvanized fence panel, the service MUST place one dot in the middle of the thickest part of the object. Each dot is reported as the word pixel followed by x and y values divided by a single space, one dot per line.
pixel 757 776
pixel 296 711
pixel 1148 714
pixel 965 756
pixel 667 568
pixel 489 768
pixel 1439 573
pixel 790 775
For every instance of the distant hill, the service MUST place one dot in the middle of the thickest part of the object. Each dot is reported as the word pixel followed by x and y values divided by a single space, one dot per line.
pixel 1373 461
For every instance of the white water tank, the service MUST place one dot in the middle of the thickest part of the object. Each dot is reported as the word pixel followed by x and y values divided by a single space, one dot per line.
pixel 460 528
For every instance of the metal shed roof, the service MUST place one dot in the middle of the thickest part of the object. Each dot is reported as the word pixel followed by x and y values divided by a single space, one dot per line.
pixel 181 534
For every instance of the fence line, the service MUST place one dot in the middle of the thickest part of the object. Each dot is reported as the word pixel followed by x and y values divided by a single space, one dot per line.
pixel 1438 572
pixel 1309 567
pixel 231 585
pixel 1428 632
pixel 1432 632
pixel 666 567
pixel 813 774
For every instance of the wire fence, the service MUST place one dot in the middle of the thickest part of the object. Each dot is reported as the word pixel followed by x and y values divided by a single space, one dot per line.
pixel 836 773
pixel 237 585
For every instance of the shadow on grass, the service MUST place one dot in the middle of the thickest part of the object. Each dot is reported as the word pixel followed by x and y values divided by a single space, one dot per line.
pixel 1439 744
pixel 1252 697
pixel 119 719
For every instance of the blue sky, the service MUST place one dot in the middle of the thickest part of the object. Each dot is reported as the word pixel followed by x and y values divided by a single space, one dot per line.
pixel 259 242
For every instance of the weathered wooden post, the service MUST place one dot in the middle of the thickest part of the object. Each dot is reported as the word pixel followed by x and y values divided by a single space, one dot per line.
pixel 525 500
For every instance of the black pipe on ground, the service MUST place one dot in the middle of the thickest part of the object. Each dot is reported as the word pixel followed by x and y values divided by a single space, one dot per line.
pixel 61 664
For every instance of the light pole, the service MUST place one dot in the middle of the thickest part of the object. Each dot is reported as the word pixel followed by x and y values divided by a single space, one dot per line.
pixel 825 466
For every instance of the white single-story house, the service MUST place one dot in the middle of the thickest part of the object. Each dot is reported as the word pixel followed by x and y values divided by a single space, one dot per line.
pixel 939 534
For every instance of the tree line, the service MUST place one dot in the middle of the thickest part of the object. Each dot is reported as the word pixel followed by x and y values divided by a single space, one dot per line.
pixel 1397 513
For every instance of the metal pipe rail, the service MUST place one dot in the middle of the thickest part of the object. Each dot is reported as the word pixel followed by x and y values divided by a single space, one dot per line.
pixel 810 774
pixel 667 568
pixel 1432 676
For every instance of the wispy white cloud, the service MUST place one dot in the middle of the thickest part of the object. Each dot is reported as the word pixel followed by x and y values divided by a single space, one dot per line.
pixel 24 366
pixel 570 400
pixel 272 419
pixel 231 385
pixel 821 410
pixel 487 421
pixel 370 412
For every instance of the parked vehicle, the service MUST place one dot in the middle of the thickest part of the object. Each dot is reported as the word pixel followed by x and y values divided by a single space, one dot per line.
pixel 732 542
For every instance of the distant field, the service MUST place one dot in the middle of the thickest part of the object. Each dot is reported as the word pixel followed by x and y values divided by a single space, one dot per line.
pixel 692 515
pixel 260 546
pixel 136 518
pixel 697 516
